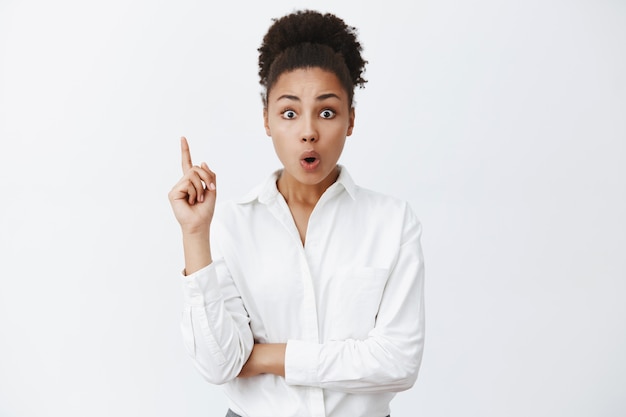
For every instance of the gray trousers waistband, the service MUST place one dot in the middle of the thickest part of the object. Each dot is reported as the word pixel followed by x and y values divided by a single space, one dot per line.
pixel 230 413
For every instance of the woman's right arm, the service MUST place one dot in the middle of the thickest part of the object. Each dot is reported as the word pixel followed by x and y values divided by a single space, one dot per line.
pixel 215 324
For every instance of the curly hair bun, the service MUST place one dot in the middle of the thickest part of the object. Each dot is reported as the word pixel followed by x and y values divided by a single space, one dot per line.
pixel 311 27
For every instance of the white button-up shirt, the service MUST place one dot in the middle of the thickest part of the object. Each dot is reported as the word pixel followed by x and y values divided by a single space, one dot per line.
pixel 349 302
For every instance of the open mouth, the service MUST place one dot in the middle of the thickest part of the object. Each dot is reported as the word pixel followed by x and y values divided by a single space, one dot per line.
pixel 310 161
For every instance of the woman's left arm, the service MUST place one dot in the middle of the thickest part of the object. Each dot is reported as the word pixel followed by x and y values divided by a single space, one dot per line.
pixel 388 359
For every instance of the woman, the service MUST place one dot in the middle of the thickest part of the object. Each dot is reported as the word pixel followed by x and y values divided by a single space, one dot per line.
pixel 304 298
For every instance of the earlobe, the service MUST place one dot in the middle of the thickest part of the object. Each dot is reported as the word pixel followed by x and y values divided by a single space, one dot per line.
pixel 266 122
pixel 351 122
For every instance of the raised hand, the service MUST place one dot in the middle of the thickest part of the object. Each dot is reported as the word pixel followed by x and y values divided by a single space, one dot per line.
pixel 193 197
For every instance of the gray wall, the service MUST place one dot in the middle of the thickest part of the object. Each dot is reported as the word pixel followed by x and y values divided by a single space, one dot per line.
pixel 502 122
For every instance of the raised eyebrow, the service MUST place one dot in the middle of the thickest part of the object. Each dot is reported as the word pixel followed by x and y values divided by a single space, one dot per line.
pixel 288 97
pixel 327 96
pixel 321 97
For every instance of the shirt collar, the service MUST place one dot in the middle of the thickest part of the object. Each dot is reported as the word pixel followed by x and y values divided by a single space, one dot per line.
pixel 267 191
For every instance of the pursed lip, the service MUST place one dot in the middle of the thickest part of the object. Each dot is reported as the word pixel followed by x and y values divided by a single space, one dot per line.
pixel 310 160
pixel 309 154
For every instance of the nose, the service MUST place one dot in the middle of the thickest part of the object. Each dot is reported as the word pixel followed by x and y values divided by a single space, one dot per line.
pixel 309 131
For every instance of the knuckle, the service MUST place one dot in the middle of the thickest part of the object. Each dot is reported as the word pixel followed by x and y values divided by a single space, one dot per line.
pixel 191 189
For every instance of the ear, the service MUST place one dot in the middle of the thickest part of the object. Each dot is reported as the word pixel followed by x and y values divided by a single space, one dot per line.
pixel 266 122
pixel 351 122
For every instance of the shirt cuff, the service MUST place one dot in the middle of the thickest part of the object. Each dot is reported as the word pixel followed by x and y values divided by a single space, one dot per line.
pixel 302 362
pixel 201 286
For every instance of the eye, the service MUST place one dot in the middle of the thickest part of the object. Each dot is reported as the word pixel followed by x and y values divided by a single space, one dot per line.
pixel 327 114
pixel 289 114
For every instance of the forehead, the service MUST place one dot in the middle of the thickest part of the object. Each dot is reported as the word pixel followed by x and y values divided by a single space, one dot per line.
pixel 307 83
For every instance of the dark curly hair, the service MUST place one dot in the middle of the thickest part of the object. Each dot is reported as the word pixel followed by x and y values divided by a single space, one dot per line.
pixel 306 39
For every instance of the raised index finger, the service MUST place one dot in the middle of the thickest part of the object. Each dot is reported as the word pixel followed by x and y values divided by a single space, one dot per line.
pixel 186 155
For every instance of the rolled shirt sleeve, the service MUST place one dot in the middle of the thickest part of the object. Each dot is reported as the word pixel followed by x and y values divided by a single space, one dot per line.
pixel 215 325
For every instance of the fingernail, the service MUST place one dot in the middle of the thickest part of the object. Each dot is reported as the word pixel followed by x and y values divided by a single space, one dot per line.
pixel 201 198
pixel 212 187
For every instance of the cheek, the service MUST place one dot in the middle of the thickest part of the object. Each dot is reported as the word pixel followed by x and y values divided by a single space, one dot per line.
pixel 282 147
pixel 338 134
pixel 278 127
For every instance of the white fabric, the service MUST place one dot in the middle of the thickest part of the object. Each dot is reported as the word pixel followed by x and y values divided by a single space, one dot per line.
pixel 349 303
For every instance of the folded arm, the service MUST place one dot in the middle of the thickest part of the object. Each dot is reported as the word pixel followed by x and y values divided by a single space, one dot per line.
pixel 388 359
pixel 215 324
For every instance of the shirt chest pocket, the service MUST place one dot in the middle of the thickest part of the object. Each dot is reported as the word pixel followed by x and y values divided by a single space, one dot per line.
pixel 352 301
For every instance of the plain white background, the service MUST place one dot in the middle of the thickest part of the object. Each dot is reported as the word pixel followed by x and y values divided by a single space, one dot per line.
pixel 503 123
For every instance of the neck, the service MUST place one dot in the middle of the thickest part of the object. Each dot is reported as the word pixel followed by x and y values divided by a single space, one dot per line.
pixel 296 192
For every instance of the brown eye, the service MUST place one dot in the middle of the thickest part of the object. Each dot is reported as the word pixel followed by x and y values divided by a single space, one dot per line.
pixel 289 114
pixel 327 114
